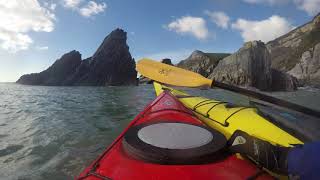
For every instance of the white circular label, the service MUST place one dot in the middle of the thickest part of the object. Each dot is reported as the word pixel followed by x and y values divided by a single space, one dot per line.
pixel 175 135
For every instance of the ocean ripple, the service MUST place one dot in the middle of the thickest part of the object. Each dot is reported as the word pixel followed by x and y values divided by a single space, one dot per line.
pixel 55 132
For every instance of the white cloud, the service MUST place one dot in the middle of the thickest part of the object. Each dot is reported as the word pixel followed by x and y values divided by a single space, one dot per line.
pixel 13 41
pixel 53 6
pixel 312 7
pixel 87 10
pixel 195 26
pixel 271 2
pixel 92 8
pixel 42 48
pixel 220 18
pixel 264 30
pixel 18 17
pixel 73 4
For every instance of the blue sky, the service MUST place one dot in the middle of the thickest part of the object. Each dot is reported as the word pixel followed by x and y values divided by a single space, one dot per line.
pixel 34 33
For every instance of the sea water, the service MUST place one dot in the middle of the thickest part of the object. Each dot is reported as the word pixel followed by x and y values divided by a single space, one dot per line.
pixel 55 132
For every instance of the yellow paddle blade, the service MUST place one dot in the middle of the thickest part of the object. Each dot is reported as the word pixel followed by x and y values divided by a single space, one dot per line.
pixel 170 74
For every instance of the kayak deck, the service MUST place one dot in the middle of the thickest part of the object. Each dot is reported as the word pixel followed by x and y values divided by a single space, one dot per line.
pixel 115 163
pixel 227 118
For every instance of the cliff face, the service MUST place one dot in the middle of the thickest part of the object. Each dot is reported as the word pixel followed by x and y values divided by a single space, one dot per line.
pixel 250 66
pixel 111 64
pixel 202 63
pixel 287 50
pixel 307 70
pixel 281 65
pixel 297 53
pixel 282 81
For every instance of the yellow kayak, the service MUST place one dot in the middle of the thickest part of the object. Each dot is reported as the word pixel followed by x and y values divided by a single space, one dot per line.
pixel 227 118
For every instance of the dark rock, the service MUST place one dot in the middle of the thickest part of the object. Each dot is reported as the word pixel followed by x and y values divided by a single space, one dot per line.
pixel 80 73
pixel 249 66
pixel 282 81
pixel 167 61
pixel 202 63
pixel 56 73
pixel 111 64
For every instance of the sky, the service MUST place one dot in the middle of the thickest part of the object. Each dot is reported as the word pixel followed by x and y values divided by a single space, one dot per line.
pixel 35 33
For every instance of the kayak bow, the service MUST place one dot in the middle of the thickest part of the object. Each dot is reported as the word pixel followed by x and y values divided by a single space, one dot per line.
pixel 167 141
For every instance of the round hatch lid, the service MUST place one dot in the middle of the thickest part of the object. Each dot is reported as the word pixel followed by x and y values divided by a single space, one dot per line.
pixel 174 143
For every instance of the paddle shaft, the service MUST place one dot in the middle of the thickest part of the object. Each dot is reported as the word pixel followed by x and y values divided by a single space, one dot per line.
pixel 180 77
pixel 266 98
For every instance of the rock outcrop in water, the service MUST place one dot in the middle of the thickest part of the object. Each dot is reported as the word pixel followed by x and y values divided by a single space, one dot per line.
pixel 111 64
pixel 57 73
pixel 249 66
pixel 297 53
pixel 167 61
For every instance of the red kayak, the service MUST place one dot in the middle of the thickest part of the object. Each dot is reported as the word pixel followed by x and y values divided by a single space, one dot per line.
pixel 166 141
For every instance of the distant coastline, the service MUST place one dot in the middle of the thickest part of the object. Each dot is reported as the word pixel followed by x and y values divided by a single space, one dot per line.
pixel 283 64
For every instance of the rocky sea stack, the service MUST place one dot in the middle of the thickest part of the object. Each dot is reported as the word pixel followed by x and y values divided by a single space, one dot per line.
pixel 250 66
pixel 111 64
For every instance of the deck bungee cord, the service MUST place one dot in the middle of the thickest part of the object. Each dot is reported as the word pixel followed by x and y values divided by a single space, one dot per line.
pixel 207 115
